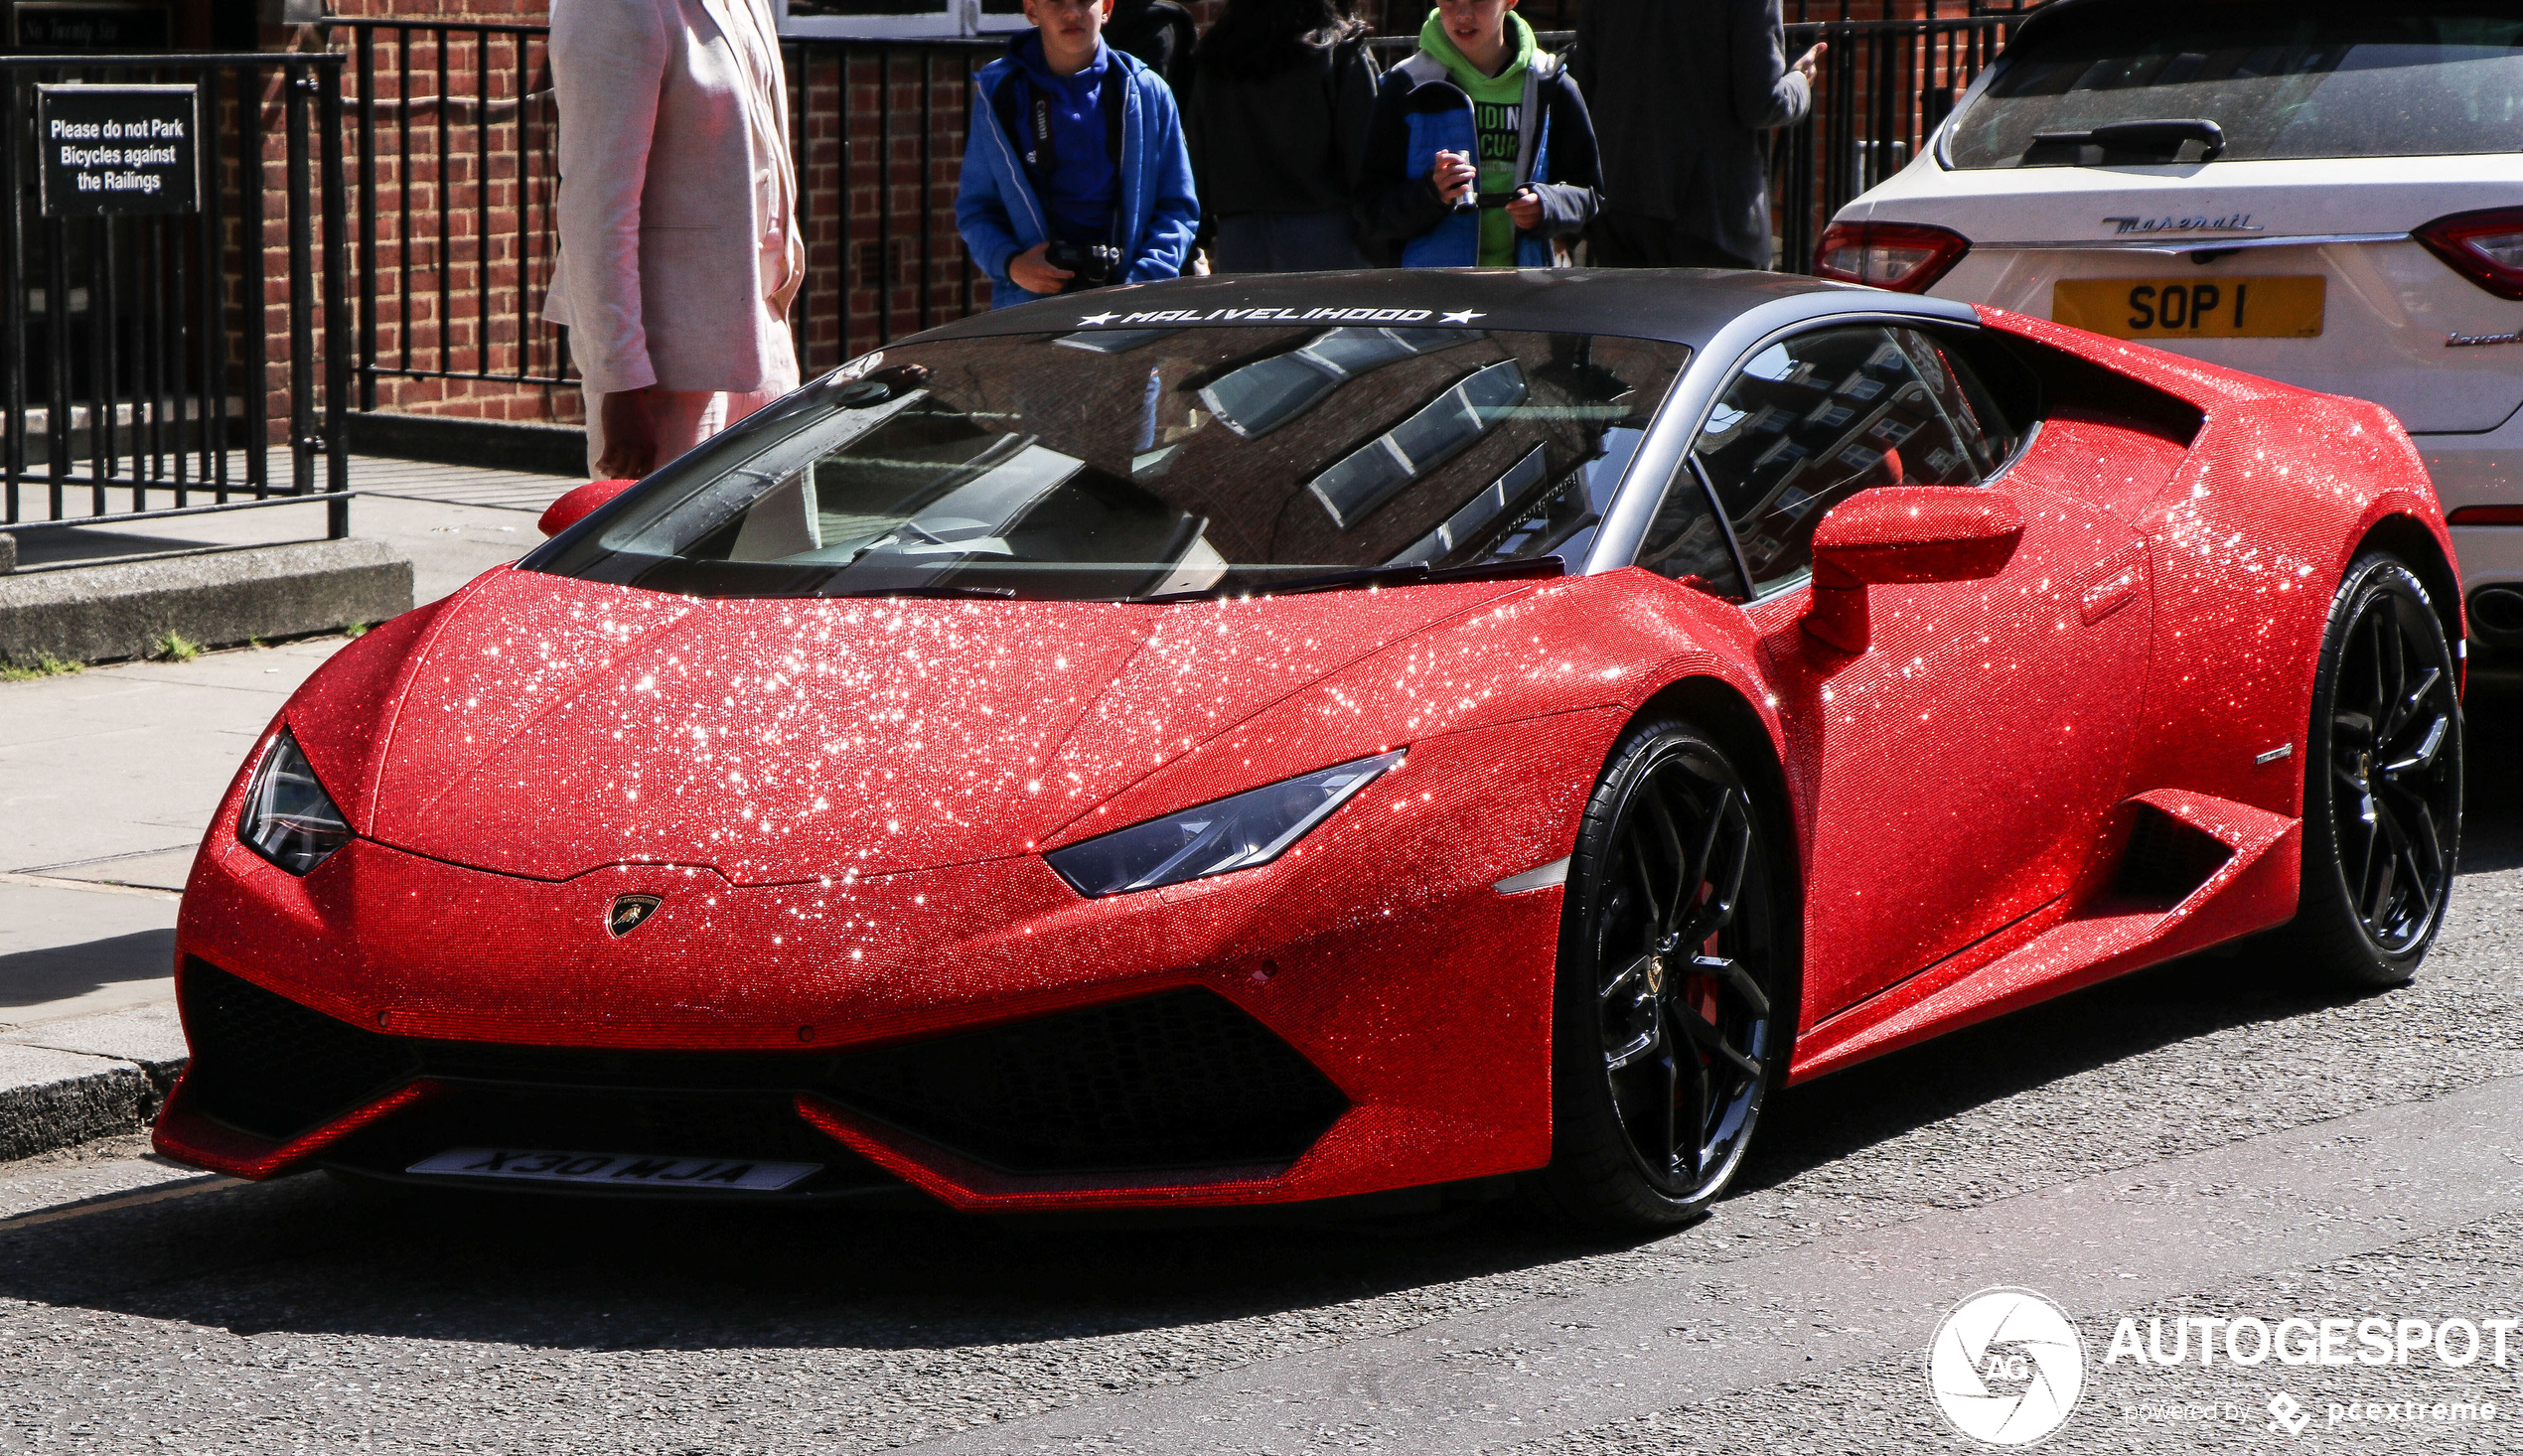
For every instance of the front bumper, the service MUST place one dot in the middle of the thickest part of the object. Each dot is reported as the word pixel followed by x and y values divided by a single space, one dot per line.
pixel 1367 1015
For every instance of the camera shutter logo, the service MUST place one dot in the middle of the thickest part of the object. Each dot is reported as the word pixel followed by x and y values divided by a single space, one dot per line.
pixel 2007 1367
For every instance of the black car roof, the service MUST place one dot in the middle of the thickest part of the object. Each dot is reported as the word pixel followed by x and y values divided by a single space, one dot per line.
pixel 1681 304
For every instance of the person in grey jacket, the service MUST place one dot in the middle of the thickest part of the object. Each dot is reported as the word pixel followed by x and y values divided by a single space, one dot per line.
pixel 1276 122
pixel 1684 94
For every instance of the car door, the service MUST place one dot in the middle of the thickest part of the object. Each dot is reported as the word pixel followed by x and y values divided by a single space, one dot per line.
pixel 1960 767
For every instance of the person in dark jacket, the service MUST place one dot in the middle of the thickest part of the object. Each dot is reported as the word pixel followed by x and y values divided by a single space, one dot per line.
pixel 1687 93
pixel 1278 122
pixel 1480 152
pixel 1159 33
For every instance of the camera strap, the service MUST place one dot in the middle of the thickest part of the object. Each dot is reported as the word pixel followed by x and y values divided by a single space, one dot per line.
pixel 1042 152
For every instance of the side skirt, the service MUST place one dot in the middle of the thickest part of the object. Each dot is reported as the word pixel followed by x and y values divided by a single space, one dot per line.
pixel 2050 953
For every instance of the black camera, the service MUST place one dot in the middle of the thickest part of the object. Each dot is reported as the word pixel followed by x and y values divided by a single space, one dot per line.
pixel 1094 264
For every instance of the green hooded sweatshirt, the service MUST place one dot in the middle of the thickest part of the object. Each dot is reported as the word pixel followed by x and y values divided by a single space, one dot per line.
pixel 1495 99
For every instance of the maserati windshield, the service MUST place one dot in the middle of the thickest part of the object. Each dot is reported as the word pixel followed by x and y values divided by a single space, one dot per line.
pixel 1121 465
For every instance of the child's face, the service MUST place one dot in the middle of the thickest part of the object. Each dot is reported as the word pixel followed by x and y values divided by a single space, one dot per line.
pixel 1475 24
pixel 1069 25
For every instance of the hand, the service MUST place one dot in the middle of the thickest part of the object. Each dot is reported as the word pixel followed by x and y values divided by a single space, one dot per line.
pixel 1452 176
pixel 1806 64
pixel 630 436
pixel 1028 271
pixel 1526 208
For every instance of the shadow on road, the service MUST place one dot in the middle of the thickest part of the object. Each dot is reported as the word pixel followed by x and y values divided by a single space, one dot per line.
pixel 58 972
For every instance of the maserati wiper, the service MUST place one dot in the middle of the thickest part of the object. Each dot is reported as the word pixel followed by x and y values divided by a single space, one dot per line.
pixel 2164 136
pixel 1416 573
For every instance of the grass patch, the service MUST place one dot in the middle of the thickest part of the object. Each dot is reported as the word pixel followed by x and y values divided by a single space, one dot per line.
pixel 357 630
pixel 42 664
pixel 174 647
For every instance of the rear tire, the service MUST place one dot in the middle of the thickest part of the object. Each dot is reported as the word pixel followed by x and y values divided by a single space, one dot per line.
pixel 1675 999
pixel 2382 814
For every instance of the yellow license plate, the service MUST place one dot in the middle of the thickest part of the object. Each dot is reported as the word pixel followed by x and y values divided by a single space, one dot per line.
pixel 2193 307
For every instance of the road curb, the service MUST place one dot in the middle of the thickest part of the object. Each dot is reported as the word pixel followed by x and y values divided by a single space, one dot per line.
pixel 96 614
pixel 72 1082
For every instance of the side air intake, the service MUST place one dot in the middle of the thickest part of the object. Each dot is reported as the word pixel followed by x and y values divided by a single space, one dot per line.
pixel 2168 859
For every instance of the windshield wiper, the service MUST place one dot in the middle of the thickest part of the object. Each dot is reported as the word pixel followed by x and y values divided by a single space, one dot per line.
pixel 937 589
pixel 2164 136
pixel 1418 573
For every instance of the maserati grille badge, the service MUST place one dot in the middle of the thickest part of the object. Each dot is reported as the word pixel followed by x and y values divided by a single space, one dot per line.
pixel 628 913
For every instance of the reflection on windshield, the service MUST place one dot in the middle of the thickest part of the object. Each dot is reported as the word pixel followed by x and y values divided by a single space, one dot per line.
pixel 1369 476
pixel 1029 466
pixel 1256 398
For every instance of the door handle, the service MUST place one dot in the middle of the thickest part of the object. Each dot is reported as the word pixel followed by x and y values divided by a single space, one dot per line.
pixel 2116 588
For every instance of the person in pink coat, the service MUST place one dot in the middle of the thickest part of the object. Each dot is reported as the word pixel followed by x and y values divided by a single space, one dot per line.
pixel 678 252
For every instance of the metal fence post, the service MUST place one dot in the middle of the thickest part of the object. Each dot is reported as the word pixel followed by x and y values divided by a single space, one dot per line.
pixel 302 442
pixel 337 302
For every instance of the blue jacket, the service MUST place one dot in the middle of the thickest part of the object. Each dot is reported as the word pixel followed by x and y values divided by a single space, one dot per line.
pixel 1421 112
pixel 1000 216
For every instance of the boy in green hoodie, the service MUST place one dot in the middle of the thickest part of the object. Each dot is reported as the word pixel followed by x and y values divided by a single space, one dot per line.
pixel 1479 151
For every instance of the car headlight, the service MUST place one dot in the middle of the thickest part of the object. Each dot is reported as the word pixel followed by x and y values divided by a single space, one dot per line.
pixel 289 819
pixel 1251 828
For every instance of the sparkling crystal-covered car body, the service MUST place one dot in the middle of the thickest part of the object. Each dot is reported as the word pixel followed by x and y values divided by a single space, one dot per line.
pixel 859 955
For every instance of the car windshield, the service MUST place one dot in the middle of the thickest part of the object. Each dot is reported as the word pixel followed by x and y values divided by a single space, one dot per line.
pixel 2280 80
pixel 1117 465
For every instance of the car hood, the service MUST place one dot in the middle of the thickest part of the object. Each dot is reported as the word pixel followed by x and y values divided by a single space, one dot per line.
pixel 547 727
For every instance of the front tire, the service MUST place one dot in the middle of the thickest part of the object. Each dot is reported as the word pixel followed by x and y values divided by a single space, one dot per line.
pixel 2382 813
pixel 1675 1000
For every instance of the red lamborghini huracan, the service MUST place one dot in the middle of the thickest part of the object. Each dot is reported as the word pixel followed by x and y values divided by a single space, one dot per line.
pixel 1247 741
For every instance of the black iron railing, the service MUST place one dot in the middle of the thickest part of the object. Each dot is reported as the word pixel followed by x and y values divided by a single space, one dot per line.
pixel 454 132
pixel 878 131
pixel 1883 87
pixel 138 376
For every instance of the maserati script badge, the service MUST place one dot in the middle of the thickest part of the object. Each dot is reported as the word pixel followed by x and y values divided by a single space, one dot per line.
pixel 628 913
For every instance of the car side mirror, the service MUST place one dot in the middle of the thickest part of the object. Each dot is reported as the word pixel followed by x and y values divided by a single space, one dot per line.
pixel 578 505
pixel 1903 534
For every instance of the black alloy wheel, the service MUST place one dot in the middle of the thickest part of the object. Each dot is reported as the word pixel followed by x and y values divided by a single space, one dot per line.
pixel 1674 1017
pixel 2382 780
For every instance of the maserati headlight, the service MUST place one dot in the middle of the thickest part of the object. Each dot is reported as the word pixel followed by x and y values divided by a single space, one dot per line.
pixel 289 819
pixel 1251 828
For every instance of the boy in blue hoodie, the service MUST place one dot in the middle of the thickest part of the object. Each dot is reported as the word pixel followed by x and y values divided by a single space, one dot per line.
pixel 1075 143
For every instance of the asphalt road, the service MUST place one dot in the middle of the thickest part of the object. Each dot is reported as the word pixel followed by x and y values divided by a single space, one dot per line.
pixel 2208 1139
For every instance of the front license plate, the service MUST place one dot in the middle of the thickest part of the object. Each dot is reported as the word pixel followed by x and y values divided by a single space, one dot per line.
pixel 615 1170
pixel 2192 308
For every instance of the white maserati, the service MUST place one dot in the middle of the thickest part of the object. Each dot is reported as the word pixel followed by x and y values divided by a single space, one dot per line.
pixel 2328 194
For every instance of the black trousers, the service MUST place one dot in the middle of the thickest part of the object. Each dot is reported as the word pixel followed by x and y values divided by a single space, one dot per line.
pixel 1617 239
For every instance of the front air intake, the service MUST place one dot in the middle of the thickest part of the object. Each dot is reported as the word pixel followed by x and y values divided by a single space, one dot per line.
pixel 263 1064
pixel 1179 1081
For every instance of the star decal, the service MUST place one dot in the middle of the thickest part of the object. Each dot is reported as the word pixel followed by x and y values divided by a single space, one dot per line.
pixel 1097 318
pixel 1465 316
